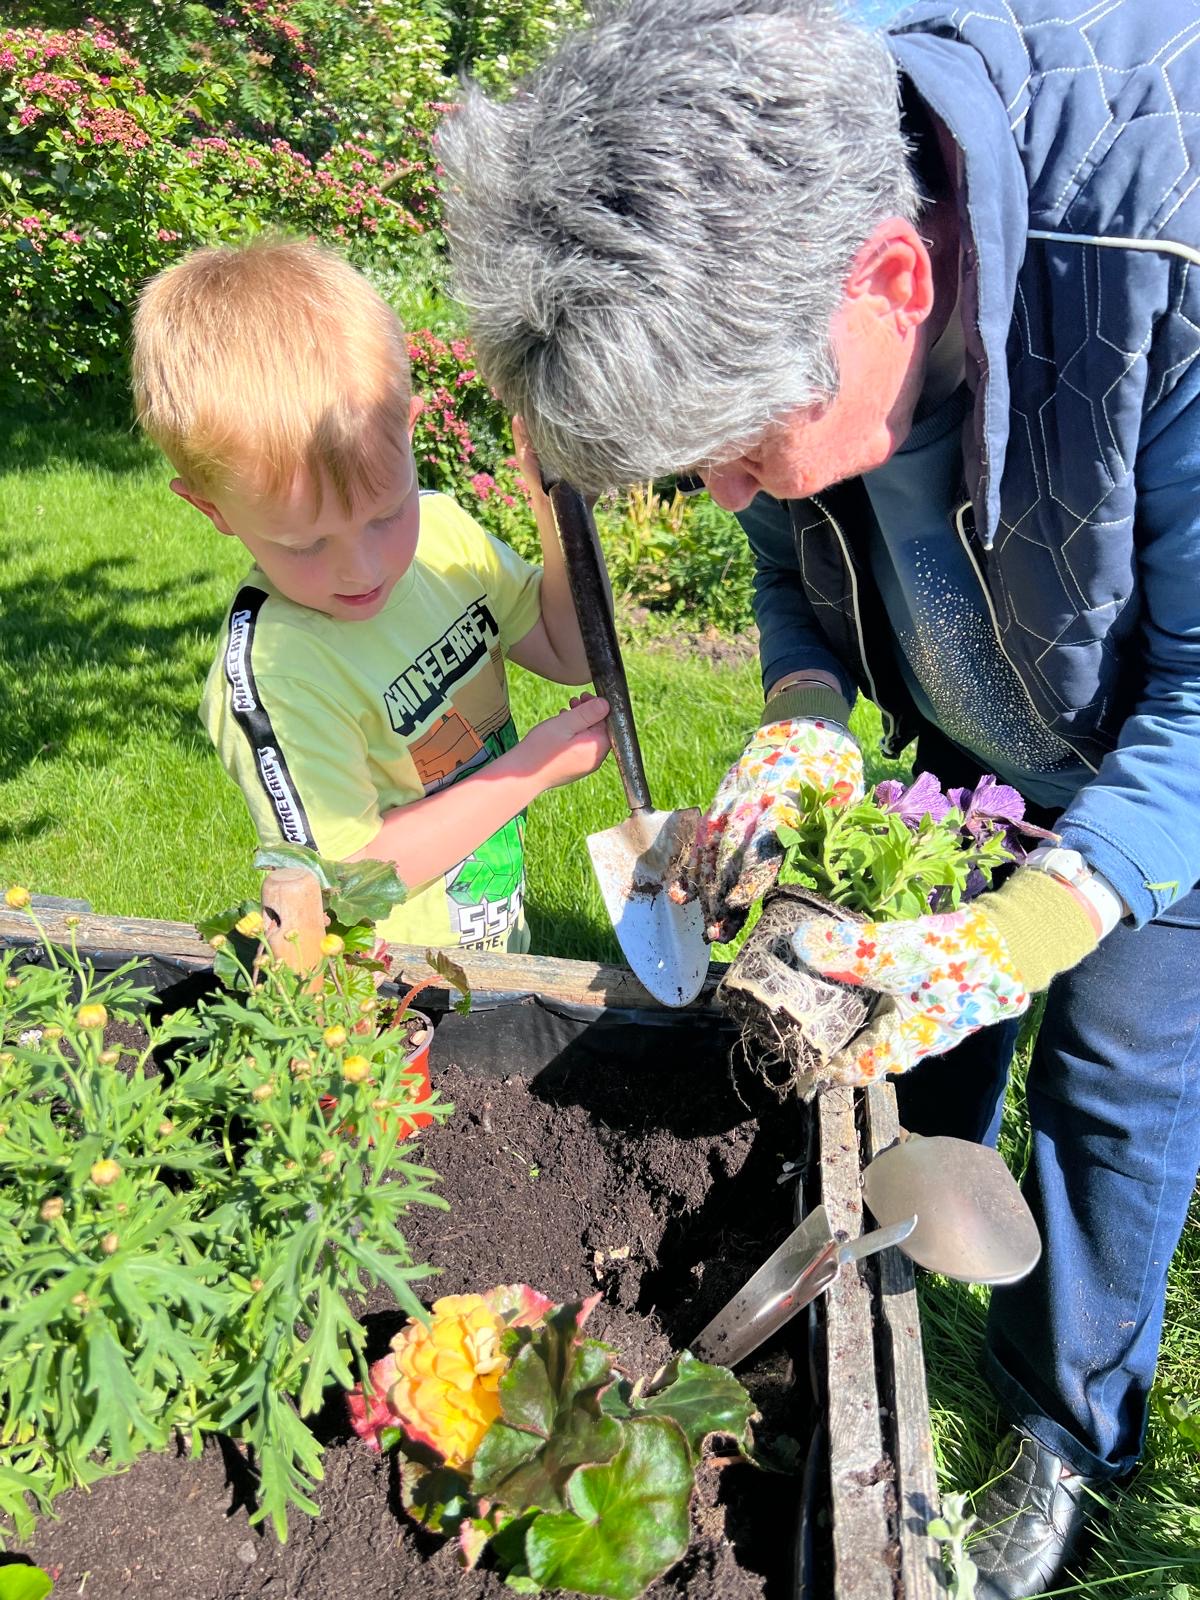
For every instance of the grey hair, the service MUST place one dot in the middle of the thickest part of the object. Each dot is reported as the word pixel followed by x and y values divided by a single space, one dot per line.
pixel 652 235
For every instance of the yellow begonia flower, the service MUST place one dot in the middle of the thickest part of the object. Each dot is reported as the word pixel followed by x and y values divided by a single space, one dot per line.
pixel 447 1375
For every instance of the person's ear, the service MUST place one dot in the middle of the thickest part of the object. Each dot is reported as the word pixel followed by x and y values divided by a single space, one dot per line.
pixel 415 407
pixel 892 275
pixel 208 508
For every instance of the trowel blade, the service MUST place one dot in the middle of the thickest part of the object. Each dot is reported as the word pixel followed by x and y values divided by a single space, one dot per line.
pixel 663 942
pixel 738 1329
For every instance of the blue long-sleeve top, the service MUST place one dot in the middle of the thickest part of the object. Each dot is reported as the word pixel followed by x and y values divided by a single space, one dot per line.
pixel 1135 819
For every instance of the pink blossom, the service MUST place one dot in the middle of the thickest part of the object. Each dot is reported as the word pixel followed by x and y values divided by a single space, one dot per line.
pixel 72 237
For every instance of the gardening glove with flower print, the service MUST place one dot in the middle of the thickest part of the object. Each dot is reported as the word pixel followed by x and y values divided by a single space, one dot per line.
pixel 736 854
pixel 942 977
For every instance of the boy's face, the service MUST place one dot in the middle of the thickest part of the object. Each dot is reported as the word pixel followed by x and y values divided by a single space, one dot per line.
pixel 345 564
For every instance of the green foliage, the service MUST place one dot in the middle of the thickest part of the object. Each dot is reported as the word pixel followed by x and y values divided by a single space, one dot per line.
pixel 679 556
pixel 24 1583
pixel 1181 1413
pixel 352 891
pixel 584 1480
pixel 499 41
pixel 951 1530
pixel 178 1247
pixel 868 858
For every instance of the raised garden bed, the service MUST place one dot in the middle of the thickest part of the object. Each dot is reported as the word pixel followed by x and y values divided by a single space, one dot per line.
pixel 597 1144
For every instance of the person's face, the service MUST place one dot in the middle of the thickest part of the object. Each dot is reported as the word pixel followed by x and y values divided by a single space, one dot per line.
pixel 878 344
pixel 343 563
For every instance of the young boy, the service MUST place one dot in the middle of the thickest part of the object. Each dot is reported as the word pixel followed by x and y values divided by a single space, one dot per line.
pixel 359 697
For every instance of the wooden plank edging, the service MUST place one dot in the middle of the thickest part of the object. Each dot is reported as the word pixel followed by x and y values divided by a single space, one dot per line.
pixel 903 1360
pixel 582 983
pixel 864 1553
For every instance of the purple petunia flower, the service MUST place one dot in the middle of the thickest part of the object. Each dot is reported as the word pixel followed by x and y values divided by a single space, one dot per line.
pixel 922 798
pixel 991 807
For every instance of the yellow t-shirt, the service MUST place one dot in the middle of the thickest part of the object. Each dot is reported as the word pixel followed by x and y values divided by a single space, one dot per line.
pixel 326 725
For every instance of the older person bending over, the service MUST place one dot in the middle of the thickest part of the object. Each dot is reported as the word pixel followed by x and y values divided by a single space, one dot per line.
pixel 922 308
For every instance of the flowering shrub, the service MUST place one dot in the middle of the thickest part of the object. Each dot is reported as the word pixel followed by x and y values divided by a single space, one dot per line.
pixel 519 1437
pixel 180 1245
pixel 463 440
pixel 906 849
pixel 104 179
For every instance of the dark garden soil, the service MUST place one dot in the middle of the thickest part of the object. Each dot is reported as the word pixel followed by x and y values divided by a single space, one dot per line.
pixel 657 1187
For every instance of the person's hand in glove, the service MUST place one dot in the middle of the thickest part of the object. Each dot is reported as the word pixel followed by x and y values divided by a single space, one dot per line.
pixel 941 977
pixel 736 854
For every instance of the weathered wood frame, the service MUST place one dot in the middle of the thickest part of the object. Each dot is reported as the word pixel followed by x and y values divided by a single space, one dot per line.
pixel 882 1482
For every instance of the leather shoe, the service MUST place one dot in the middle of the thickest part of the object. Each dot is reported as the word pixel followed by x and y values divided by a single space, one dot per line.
pixel 1031 1520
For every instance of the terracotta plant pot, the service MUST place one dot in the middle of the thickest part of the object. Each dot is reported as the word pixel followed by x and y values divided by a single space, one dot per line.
pixel 416 1072
pixel 793 1017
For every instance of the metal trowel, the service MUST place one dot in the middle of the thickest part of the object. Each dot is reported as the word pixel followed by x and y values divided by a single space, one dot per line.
pixel 636 861
pixel 804 1266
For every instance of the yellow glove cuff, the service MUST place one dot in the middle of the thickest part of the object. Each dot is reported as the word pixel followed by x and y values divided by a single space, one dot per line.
pixel 1047 930
pixel 816 702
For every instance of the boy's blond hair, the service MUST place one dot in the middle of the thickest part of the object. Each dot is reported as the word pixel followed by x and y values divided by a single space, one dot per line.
pixel 254 363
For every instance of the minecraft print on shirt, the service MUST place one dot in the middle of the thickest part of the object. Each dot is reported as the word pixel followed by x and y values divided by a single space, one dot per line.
pixel 485 892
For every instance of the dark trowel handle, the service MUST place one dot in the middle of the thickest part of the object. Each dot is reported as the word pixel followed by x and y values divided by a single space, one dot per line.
pixel 585 572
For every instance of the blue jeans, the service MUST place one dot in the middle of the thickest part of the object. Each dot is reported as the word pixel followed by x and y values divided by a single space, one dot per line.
pixel 1114 1106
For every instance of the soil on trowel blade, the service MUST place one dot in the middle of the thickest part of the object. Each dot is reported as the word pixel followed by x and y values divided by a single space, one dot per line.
pixel 657 1188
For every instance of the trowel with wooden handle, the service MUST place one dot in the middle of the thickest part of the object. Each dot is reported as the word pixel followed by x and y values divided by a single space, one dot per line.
pixel 636 861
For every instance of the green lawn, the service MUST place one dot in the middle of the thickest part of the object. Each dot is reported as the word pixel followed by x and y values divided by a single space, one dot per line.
pixel 113 593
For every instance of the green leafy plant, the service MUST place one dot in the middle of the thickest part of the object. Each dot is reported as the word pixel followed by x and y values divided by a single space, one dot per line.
pixel 185 1219
pixel 1181 1413
pixel 951 1531
pixel 904 851
pixel 522 1439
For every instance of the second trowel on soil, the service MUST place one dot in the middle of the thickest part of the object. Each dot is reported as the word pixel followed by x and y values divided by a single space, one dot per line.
pixel 634 862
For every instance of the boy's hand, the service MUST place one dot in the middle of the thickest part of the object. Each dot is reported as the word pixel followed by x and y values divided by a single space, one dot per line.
pixel 570 745
pixel 530 469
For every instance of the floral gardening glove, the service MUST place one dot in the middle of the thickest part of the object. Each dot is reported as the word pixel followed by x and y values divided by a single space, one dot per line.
pixel 736 853
pixel 942 977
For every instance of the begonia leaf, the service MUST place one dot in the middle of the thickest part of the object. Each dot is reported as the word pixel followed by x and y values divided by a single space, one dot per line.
pixel 551 1420
pixel 438 1498
pixel 702 1399
pixel 628 1518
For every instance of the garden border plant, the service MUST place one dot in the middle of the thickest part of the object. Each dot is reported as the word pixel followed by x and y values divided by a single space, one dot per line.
pixel 180 1244
pixel 519 1437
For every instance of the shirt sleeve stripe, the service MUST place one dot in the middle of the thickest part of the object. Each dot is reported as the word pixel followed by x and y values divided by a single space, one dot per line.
pixel 251 717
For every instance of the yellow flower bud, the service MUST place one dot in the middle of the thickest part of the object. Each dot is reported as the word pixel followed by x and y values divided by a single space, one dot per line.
pixel 334 1036
pixel 301 1067
pixel 264 1091
pixel 17 898
pixel 327 1158
pixel 52 1208
pixel 250 924
pixel 105 1172
pixel 356 1069
pixel 52 1032
pixel 121 1208
pixel 12 982
pixel 448 1376
pixel 110 1244
pixel 109 1058
pixel 218 941
pixel 257 1285
pixel 72 919
pixel 368 1006
pixel 81 1300
pixel 332 945
pixel 166 1127
pixel 91 1016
